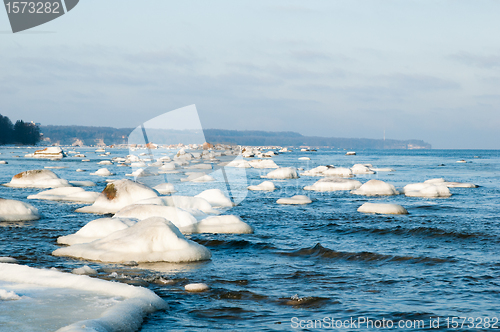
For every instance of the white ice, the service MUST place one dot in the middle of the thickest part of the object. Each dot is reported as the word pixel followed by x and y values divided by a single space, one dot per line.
pixel 40 178
pixel 382 208
pixel 295 200
pixel 334 184
pixel 376 188
pixel 264 186
pixel 70 194
pixel 12 210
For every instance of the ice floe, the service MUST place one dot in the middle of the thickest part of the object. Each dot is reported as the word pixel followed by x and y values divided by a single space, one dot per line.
pixel 12 210
pixel 295 200
pixel 126 309
pixel 382 208
pixel 38 178
pixel 376 188
pixel 334 184
pixel 151 240
pixel 70 194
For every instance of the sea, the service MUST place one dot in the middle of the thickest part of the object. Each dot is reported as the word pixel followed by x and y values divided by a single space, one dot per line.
pixel 320 266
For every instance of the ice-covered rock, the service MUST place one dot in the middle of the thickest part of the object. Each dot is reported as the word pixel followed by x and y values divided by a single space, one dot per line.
pixel 295 200
pixel 151 240
pixel 4 259
pixel 82 183
pixel 102 172
pixel 196 288
pixel 165 188
pixel 96 229
pixel 70 194
pixel 190 204
pixel 304 158
pixel 105 162
pixel 53 152
pixel 334 184
pixel 361 169
pixel 317 171
pixel 216 198
pixel 198 177
pixel 84 270
pixel 117 195
pixel 200 166
pixel 3 162
pixel 227 224
pixel 350 153
pixel 264 186
pixel 182 219
pixel 240 163
pixel 11 210
pixel 260 163
pixel 38 178
pixel 382 208
pixel 338 171
pixel 376 188
pixel 449 184
pixel 8 295
pixel 282 173
pixel 427 190
pixel 383 169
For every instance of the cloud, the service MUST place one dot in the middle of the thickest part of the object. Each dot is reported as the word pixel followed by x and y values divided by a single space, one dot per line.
pixel 482 61
pixel 184 57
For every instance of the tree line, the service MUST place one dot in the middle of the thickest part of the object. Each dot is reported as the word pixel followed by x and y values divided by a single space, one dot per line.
pixel 21 132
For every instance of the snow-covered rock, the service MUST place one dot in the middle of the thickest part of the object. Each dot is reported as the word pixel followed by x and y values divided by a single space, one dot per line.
pixel 376 188
pixel 334 184
pixel 448 184
pixel 84 270
pixel 53 152
pixel 338 171
pixel 198 177
pixel 227 224
pixel 260 163
pixel 182 219
pixel 427 190
pixel 70 194
pixel 282 173
pixel 295 200
pixel 117 195
pixel 11 210
pixel 196 288
pixel 102 172
pixel 382 208
pixel 216 198
pixel 165 188
pixel 96 229
pixel 361 169
pixel 190 204
pixel 264 186
pixel 38 178
pixel 151 240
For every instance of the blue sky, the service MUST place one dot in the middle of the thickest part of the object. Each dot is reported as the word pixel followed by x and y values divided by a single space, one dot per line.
pixel 418 69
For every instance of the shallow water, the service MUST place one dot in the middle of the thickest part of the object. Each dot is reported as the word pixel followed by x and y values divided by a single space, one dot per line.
pixel 320 260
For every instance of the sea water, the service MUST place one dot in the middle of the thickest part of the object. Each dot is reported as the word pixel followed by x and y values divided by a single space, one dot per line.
pixel 320 263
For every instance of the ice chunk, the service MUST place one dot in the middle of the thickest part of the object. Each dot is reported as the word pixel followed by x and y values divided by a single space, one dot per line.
pixel 334 184
pixel 376 188
pixel 361 169
pixel 151 240
pixel 71 194
pixel 382 208
pixel 297 199
pixel 165 188
pixel 428 190
pixel 84 270
pixel 102 172
pixel 117 195
pixel 266 163
pixel 39 178
pixel 8 295
pixel 450 184
pixel 11 210
pixel 184 202
pixel 53 152
pixel 265 186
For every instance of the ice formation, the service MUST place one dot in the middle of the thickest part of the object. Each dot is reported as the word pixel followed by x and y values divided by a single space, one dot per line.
pixel 71 194
pixel 227 224
pixel 376 188
pixel 117 195
pixel 334 184
pixel 52 152
pixel 216 198
pixel 361 169
pixel 151 240
pixel 196 288
pixel 264 186
pixel 102 172
pixel 297 199
pixel 165 188
pixel 38 178
pixel 427 190
pixel 96 229
pixel 11 210
pixel 260 163
pixel 382 208
pixel 282 173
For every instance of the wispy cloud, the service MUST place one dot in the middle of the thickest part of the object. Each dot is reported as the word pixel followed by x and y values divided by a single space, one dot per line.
pixel 476 60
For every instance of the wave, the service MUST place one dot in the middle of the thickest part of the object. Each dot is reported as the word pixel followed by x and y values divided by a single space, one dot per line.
pixel 321 252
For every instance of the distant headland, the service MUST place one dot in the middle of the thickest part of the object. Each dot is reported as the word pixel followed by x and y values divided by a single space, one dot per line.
pixel 86 135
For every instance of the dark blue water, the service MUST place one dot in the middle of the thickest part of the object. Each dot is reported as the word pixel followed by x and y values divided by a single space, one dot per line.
pixel 309 262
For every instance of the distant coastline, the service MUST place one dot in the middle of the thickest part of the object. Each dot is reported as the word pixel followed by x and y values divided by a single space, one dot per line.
pixel 86 135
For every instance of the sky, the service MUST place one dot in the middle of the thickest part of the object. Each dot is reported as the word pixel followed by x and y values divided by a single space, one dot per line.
pixel 421 69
